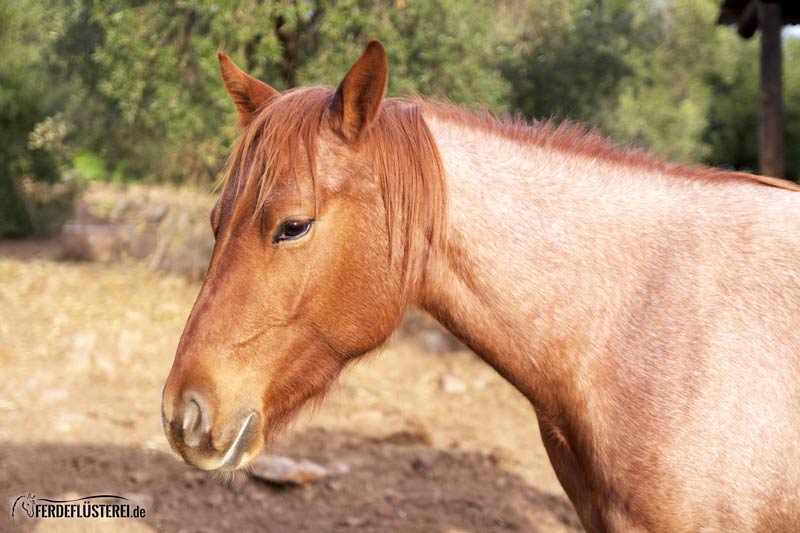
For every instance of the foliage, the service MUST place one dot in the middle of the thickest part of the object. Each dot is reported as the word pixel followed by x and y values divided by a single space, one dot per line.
pixel 664 104
pixel 26 99
pixel 732 129
pixel 154 98
pixel 791 98
pixel 641 71
pixel 129 90
pixel 569 58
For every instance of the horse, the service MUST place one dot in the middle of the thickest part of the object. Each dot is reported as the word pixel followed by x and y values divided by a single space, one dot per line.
pixel 650 311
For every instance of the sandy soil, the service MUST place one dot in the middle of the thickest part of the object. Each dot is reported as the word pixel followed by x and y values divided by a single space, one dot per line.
pixel 84 350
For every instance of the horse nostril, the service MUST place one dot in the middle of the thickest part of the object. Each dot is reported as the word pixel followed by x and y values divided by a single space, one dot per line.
pixel 196 423
pixel 191 417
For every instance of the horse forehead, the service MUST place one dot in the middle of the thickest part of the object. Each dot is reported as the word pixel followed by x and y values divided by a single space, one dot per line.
pixel 337 168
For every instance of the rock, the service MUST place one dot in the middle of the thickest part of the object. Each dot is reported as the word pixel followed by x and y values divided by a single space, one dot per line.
pixel 452 385
pixel 282 470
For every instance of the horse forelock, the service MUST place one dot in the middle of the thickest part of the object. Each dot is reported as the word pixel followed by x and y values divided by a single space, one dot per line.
pixel 402 156
pixel 270 146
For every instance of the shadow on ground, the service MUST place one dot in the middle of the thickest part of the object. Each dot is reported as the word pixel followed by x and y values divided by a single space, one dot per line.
pixel 389 487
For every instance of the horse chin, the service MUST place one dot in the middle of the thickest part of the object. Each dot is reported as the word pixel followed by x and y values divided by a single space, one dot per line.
pixel 218 465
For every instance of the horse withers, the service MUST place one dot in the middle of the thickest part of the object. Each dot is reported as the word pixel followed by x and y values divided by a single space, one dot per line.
pixel 649 311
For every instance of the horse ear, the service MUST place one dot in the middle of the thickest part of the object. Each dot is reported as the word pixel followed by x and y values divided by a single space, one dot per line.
pixel 247 93
pixel 358 98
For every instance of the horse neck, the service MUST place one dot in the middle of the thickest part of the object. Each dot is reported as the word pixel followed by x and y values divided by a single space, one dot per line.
pixel 527 278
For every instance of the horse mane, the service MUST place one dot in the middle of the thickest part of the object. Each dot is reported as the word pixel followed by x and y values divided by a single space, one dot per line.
pixel 575 138
pixel 399 146
pixel 405 159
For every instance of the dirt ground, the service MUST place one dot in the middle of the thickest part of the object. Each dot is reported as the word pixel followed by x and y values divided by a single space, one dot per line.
pixel 84 350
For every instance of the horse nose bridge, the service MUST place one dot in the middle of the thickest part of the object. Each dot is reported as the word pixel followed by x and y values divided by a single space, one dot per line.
pixel 199 320
pixel 200 345
pixel 212 318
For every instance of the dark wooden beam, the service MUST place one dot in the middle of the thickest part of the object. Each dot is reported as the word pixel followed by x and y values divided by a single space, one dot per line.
pixel 770 134
pixel 748 20
pixel 744 14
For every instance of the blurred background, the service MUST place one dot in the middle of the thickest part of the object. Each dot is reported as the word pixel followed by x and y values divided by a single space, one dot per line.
pixel 114 126
pixel 129 92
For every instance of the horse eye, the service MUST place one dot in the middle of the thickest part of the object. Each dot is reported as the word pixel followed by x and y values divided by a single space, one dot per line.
pixel 292 229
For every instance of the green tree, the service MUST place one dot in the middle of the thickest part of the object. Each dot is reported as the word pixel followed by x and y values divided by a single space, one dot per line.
pixel 646 72
pixel 569 58
pixel 732 132
pixel 150 101
pixel 27 98
pixel 664 104
pixel 791 99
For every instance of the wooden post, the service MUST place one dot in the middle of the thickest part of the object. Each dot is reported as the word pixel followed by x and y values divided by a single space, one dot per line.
pixel 770 131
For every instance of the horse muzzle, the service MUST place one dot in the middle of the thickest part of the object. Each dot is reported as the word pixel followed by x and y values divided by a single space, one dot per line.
pixel 192 434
